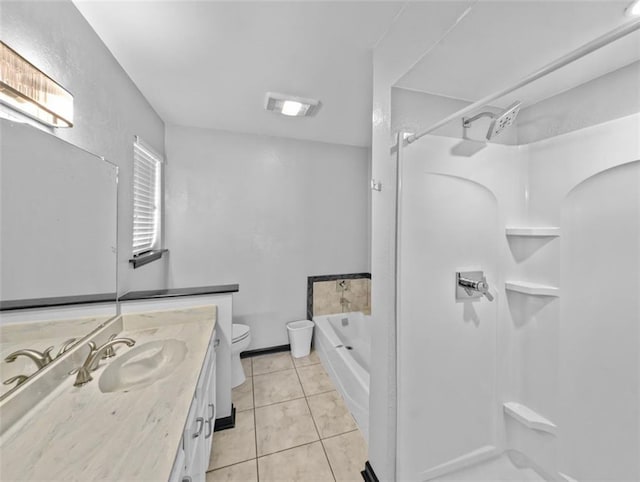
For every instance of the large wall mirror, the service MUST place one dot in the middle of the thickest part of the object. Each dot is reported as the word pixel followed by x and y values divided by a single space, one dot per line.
pixel 58 238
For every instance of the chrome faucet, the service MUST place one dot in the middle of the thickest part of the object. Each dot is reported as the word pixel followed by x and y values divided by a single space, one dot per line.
pixel 91 363
pixel 41 359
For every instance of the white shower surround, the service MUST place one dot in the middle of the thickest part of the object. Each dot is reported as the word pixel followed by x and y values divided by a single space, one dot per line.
pixel 572 359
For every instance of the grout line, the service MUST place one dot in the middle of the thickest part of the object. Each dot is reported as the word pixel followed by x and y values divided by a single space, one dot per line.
pixel 316 427
pixel 320 393
pixel 255 425
pixel 341 434
pixel 282 401
pixel 287 449
pixel 274 371
pixel 290 448
pixel 231 465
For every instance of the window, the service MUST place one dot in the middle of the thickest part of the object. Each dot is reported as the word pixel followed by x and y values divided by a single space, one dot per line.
pixel 147 202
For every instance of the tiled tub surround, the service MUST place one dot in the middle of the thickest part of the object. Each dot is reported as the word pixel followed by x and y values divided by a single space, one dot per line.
pixel 291 425
pixel 39 335
pixel 80 433
pixel 332 294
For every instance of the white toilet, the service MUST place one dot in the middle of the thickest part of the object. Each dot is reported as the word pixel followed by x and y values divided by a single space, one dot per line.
pixel 241 337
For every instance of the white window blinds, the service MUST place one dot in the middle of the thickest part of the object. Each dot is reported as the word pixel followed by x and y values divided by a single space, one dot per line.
pixel 147 200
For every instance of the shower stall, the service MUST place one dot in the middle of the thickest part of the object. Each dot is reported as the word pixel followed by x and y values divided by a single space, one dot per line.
pixel 517 276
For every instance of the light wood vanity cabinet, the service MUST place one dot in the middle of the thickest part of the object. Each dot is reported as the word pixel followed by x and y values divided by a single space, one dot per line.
pixel 192 459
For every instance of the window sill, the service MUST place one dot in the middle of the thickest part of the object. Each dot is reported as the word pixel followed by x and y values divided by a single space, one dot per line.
pixel 146 258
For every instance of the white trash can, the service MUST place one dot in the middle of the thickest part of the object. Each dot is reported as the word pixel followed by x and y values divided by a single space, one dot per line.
pixel 300 334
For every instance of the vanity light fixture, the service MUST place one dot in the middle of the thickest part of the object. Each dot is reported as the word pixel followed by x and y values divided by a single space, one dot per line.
pixel 633 10
pixel 290 105
pixel 28 90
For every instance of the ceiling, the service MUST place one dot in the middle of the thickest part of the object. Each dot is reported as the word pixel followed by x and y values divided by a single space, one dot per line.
pixel 209 63
pixel 498 43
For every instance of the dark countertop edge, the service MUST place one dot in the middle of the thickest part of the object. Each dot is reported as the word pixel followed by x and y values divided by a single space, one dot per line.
pixel 34 303
pixel 174 292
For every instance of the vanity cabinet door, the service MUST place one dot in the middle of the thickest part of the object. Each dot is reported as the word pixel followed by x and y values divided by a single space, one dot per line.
pixel 198 435
pixel 178 472
pixel 210 395
pixel 193 433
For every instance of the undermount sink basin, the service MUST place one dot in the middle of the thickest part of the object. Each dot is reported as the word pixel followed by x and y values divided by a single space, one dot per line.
pixel 142 365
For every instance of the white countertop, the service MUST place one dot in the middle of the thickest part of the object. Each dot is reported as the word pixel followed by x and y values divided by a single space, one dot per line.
pixel 80 433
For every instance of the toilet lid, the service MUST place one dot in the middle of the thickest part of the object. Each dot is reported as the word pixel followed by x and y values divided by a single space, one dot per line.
pixel 240 332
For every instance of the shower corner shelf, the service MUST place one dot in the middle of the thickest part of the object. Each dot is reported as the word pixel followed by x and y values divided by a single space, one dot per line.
pixel 533 289
pixel 529 231
pixel 529 418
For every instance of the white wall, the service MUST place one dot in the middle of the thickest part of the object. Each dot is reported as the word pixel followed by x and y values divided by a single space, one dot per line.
pixel 266 213
pixel 109 108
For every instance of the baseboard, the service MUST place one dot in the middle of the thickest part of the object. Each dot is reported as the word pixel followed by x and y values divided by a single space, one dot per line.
pixel 368 474
pixel 225 423
pixel 265 351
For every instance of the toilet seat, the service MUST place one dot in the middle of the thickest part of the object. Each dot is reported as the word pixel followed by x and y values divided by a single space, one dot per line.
pixel 239 332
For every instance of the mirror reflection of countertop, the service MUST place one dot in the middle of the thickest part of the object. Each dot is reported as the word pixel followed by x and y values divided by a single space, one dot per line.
pixel 39 336
pixel 81 433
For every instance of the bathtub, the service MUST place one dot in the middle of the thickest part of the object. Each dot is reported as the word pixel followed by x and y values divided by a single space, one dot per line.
pixel 343 342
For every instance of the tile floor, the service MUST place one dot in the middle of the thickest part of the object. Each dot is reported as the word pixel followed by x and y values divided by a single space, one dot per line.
pixel 291 425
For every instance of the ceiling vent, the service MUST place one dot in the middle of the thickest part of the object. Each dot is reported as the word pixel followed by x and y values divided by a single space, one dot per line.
pixel 290 105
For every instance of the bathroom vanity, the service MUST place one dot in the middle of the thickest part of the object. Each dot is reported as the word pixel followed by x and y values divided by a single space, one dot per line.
pixel 147 414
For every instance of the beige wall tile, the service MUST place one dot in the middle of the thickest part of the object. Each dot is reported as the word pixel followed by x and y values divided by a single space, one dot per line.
pixel 330 414
pixel 242 472
pixel 283 426
pixel 326 298
pixel 276 387
pixel 307 463
pixel 235 444
pixel 347 455
pixel 271 363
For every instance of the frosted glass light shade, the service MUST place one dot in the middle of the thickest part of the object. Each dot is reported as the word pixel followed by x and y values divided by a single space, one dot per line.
pixel 27 89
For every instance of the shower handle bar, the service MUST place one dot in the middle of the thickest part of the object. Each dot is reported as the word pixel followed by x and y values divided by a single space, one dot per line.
pixel 480 286
pixel 576 54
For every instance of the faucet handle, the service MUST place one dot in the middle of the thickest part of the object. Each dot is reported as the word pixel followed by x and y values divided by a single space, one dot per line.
pixel 483 287
pixel 92 350
pixel 20 379
pixel 65 346
pixel 110 352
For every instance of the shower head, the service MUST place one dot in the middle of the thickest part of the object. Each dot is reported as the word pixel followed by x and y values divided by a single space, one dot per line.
pixel 503 120
pixel 499 122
